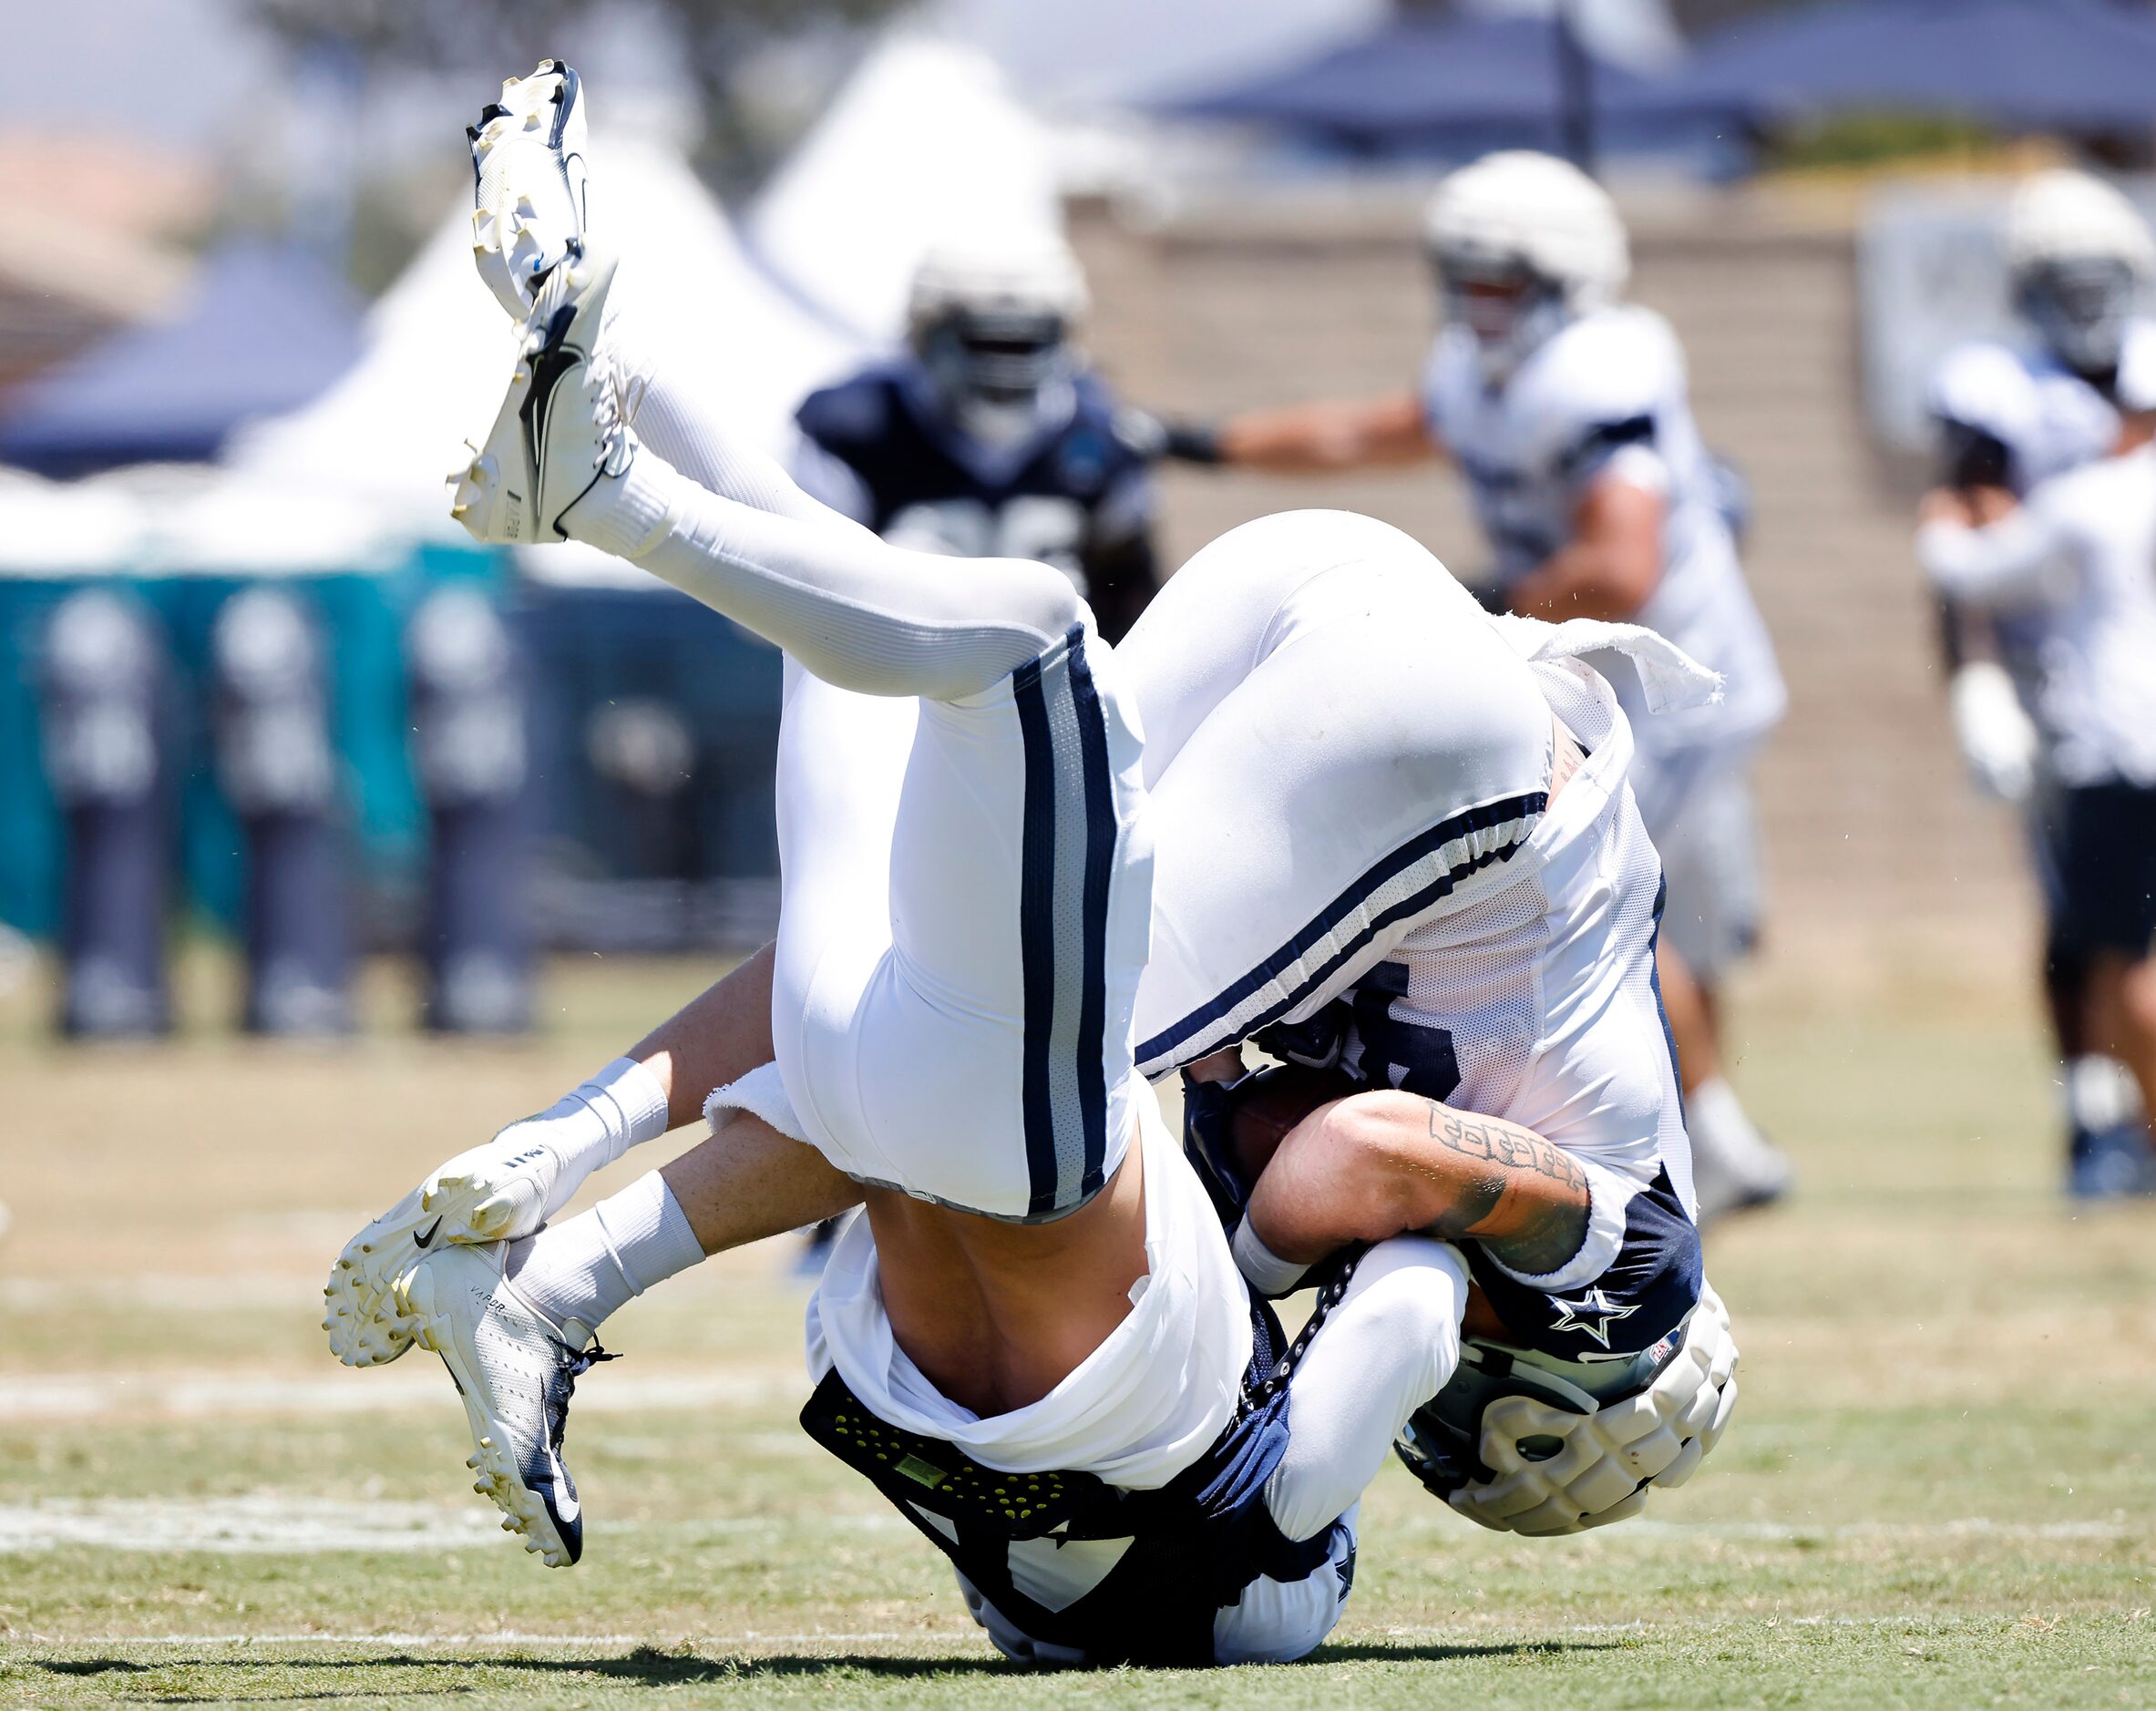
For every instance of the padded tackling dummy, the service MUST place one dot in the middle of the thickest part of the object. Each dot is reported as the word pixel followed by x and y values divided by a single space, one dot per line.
pixel 103 670
pixel 469 753
pixel 276 768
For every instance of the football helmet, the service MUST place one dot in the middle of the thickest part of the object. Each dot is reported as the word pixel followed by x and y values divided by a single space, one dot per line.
pixel 990 319
pixel 1520 1442
pixel 1523 243
pixel 2078 258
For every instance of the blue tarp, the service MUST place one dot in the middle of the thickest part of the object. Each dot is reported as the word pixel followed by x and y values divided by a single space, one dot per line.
pixel 1447 84
pixel 2077 66
pixel 263 331
pixel 1418 82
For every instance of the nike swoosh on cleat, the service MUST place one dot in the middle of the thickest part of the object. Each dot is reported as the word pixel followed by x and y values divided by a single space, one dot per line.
pixel 421 1241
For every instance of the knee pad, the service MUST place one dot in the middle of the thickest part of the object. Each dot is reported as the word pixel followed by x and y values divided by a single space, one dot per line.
pixel 1520 1448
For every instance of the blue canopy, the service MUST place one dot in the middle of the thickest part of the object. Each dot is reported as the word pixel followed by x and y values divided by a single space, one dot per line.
pixel 263 331
pixel 2077 66
pixel 1418 82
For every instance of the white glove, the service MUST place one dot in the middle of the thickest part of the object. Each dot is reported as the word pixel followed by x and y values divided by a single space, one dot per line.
pixel 1998 740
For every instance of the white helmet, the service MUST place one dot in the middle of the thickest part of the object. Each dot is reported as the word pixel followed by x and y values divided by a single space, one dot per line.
pixel 1522 243
pixel 1521 1443
pixel 991 316
pixel 2079 256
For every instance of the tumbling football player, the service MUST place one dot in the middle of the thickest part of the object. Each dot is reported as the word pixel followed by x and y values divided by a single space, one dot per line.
pixel 1000 903
pixel 2079 259
pixel 1565 410
pixel 991 436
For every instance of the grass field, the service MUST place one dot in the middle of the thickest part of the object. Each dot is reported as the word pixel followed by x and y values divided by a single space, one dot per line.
pixel 1939 1489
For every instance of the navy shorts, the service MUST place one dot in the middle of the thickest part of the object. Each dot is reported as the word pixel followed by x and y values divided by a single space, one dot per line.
pixel 1640 1297
pixel 2105 839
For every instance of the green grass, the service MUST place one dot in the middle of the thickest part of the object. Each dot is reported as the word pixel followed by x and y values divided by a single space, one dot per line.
pixel 1939 1489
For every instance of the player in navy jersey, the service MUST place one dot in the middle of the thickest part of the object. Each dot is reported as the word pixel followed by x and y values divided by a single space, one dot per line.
pixel 990 436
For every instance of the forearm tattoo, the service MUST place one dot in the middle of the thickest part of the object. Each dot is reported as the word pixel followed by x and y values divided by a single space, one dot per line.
pixel 1543 1234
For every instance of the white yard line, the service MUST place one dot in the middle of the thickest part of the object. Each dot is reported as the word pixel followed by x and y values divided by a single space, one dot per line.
pixel 287 1523
pixel 130 1396
pixel 1969 1527
pixel 416 1641
pixel 246 1525
pixel 160 1292
pixel 276 1523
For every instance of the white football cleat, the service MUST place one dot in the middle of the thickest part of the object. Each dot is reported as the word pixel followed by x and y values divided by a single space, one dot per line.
pixel 494 1192
pixel 516 1370
pixel 564 423
pixel 530 183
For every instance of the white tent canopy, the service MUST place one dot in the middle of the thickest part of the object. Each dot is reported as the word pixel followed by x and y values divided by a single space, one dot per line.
pixel 439 350
pixel 924 142
pixel 184 519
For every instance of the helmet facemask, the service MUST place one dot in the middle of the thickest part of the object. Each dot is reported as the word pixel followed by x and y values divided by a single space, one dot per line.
pixel 1511 309
pixel 2079 307
pixel 991 369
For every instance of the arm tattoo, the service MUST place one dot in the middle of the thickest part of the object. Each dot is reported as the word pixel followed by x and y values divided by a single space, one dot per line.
pixel 1503 1143
pixel 1494 1152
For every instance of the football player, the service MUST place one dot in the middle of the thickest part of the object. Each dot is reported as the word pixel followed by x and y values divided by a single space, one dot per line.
pixel 991 436
pixel 1035 1343
pixel 2065 573
pixel 1565 409
pixel 2079 259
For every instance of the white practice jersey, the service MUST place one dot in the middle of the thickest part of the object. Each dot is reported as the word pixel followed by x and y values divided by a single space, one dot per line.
pixel 2078 562
pixel 1607 396
pixel 1350 771
pixel 2046 419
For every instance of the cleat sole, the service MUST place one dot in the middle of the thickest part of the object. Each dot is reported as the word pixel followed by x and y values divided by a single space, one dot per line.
pixel 369 1321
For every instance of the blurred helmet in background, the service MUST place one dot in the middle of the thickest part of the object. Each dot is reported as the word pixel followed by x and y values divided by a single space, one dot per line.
pixel 990 318
pixel 2079 258
pixel 1522 243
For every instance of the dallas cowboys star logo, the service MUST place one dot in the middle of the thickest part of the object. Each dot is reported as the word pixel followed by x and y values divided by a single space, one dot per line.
pixel 1593 1314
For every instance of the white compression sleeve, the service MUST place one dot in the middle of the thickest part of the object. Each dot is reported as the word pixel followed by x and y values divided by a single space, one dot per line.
pixel 706 510
pixel 860 614
pixel 600 1260
pixel 1386 1349
pixel 677 413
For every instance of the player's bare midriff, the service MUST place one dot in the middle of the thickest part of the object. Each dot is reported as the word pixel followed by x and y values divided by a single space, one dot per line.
pixel 997 1315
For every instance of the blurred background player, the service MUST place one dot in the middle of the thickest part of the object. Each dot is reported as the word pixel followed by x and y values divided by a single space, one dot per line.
pixel 1566 411
pixel 990 436
pixel 2011 418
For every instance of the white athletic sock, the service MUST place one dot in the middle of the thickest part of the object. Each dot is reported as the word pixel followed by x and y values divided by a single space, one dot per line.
pixel 585 1268
pixel 678 412
pixel 858 612
pixel 597 1120
pixel 1266 1272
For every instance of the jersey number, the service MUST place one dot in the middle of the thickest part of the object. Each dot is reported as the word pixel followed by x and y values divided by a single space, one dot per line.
pixel 1034 526
pixel 1414 1057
